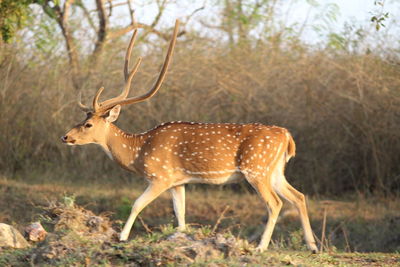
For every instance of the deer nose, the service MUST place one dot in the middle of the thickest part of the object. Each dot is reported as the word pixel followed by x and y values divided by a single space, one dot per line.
pixel 64 138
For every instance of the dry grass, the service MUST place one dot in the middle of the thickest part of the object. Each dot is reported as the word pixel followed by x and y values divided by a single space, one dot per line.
pixel 358 224
pixel 340 107
pixel 79 237
pixel 194 247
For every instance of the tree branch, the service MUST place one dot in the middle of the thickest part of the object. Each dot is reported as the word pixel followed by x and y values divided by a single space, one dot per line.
pixel 131 13
pixel 102 32
pixel 120 32
pixel 87 14
pixel 189 17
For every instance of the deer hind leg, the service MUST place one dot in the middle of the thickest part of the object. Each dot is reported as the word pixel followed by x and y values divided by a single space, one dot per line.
pixel 151 193
pixel 178 198
pixel 296 198
pixel 274 205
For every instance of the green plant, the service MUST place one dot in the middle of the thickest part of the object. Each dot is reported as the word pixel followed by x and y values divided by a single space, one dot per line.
pixel 167 229
pixel 296 240
pixel 13 16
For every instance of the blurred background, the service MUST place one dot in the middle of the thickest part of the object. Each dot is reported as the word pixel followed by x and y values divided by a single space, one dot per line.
pixel 327 70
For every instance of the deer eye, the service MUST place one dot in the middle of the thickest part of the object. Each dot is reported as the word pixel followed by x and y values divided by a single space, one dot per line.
pixel 88 125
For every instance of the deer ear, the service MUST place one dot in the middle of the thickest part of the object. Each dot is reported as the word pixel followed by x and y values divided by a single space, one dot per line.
pixel 113 114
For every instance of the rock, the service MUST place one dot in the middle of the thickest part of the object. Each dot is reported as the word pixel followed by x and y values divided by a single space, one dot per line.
pixel 35 232
pixel 10 237
pixel 202 251
pixel 179 236
pixel 82 222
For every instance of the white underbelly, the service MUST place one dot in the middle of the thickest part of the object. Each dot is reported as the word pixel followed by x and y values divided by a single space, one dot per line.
pixel 231 178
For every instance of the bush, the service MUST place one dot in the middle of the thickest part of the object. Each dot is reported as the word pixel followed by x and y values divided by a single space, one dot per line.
pixel 342 109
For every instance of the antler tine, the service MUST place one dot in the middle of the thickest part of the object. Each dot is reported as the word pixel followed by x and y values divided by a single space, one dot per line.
pixel 96 105
pixel 128 54
pixel 128 76
pixel 127 86
pixel 157 84
pixel 82 106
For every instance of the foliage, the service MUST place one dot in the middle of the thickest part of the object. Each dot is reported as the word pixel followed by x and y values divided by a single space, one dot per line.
pixel 13 16
pixel 339 105
pixel 379 17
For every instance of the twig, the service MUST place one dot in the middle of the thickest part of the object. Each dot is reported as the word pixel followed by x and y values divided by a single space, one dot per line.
pixel 323 230
pixel 194 12
pixel 122 31
pixel 221 217
pixel 195 224
pixel 316 238
pixel 86 12
pixel 148 230
pixel 348 249
pixel 131 12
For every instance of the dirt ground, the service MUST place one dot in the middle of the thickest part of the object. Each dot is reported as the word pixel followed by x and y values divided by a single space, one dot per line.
pixel 83 223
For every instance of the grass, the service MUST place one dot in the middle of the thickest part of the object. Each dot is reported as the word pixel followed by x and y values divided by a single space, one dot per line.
pixel 198 251
pixel 357 224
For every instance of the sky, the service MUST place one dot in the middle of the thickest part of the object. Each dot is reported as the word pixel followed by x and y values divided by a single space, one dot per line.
pixel 358 9
pixel 356 12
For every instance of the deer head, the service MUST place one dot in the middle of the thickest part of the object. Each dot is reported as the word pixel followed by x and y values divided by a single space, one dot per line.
pixel 94 128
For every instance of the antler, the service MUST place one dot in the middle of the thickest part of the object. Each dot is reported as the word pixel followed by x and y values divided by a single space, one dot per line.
pixel 121 99
pixel 82 106
pixel 128 76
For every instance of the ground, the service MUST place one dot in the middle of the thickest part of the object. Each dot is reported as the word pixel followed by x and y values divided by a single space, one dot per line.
pixel 224 228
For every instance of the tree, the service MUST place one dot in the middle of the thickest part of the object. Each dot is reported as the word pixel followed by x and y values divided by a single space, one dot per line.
pixel 240 17
pixel 61 13
pixel 13 15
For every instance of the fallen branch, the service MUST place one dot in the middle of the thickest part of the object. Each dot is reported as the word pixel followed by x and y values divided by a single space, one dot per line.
pixel 148 230
pixel 221 217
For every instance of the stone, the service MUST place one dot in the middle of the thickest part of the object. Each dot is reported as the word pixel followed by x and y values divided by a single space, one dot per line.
pixel 35 232
pixel 11 237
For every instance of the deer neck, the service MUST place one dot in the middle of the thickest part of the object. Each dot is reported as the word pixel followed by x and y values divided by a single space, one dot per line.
pixel 121 146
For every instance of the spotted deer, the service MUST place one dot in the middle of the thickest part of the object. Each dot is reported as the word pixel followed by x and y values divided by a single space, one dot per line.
pixel 176 153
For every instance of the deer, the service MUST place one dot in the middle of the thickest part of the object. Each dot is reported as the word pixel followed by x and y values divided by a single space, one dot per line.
pixel 174 154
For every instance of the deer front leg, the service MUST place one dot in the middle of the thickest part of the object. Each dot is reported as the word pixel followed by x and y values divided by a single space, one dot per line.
pixel 178 198
pixel 151 193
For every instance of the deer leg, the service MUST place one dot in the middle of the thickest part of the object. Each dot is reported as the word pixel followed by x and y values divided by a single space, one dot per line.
pixel 284 189
pixel 274 205
pixel 151 193
pixel 178 198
